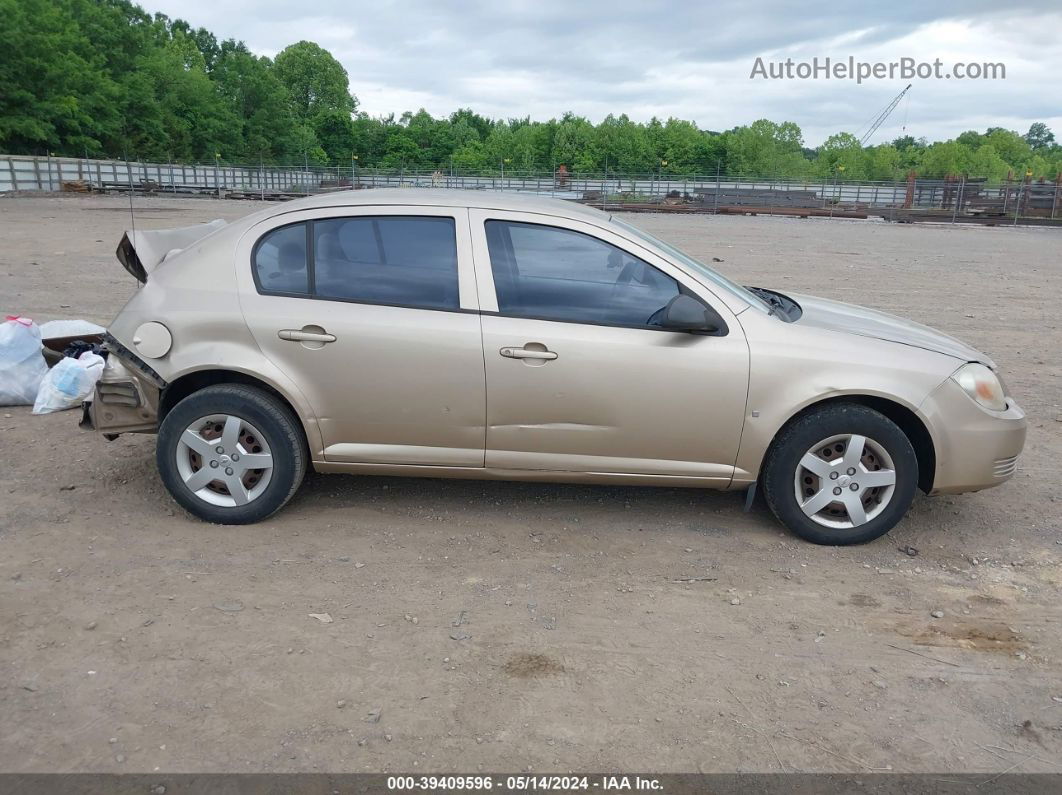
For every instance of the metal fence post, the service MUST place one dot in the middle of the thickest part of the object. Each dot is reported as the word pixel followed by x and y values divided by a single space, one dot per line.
pixel 717 187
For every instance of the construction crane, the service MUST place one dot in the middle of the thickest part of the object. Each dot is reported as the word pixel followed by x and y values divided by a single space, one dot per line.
pixel 884 115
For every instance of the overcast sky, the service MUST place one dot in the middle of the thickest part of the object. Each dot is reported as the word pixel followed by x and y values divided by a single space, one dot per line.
pixel 514 58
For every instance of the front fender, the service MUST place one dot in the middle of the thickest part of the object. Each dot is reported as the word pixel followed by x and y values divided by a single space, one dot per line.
pixel 810 366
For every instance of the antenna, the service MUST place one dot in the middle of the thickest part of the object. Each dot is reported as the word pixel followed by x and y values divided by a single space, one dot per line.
pixel 884 115
pixel 132 218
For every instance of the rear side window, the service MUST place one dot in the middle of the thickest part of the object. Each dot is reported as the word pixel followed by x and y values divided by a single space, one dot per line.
pixel 550 273
pixel 280 261
pixel 402 260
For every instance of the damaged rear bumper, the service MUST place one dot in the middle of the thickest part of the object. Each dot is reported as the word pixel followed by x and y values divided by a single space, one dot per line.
pixel 126 399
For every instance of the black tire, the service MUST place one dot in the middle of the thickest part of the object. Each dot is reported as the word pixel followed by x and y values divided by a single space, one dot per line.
pixel 274 421
pixel 799 436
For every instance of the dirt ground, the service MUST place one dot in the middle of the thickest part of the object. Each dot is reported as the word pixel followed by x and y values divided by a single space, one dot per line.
pixel 501 627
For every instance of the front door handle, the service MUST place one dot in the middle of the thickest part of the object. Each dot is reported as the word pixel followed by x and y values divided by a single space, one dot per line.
pixel 304 335
pixel 524 353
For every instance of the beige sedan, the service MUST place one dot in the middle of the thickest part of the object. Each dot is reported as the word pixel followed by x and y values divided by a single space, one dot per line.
pixel 483 335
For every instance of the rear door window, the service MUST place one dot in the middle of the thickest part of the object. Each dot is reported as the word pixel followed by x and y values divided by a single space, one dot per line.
pixel 400 260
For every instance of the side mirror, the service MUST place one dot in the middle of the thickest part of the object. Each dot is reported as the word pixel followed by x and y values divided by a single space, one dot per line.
pixel 685 313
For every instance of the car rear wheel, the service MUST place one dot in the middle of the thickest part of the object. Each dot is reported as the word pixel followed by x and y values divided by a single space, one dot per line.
pixel 231 454
pixel 842 474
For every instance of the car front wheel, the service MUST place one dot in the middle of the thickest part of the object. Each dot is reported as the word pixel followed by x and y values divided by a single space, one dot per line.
pixel 231 454
pixel 842 474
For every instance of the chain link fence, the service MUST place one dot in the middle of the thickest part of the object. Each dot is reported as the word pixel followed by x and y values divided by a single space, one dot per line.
pixel 908 198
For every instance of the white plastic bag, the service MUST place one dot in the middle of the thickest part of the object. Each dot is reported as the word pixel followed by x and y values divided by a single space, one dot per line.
pixel 69 383
pixel 22 364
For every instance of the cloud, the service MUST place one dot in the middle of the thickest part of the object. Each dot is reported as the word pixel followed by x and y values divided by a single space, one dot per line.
pixel 691 60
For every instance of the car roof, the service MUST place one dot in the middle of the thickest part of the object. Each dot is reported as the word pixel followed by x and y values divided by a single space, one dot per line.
pixel 434 197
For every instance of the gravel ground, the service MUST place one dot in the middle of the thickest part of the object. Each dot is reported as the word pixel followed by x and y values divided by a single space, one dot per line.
pixel 498 626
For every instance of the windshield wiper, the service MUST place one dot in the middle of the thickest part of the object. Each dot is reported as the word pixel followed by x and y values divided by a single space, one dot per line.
pixel 773 302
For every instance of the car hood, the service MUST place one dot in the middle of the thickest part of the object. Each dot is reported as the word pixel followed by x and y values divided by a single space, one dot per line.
pixel 852 319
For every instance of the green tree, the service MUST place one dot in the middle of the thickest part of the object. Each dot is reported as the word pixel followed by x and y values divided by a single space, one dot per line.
pixel 530 146
pixel 472 156
pixel 466 116
pixel 267 125
pixel 1039 136
pixel 104 77
pixel 683 147
pixel 883 162
pixel 841 157
pixel 624 145
pixel 986 162
pixel 500 146
pixel 945 159
pixel 433 137
pixel 1044 167
pixel 197 120
pixel 971 139
pixel 766 148
pixel 55 93
pixel 575 145
pixel 315 80
pixel 1010 146
pixel 334 131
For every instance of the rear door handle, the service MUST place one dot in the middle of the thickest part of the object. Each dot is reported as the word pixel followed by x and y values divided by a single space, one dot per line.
pixel 298 335
pixel 524 353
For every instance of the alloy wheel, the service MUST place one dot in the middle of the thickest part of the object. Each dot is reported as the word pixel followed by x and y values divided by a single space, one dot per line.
pixel 224 460
pixel 844 481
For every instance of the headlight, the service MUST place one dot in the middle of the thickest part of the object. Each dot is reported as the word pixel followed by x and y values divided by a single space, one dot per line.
pixel 982 385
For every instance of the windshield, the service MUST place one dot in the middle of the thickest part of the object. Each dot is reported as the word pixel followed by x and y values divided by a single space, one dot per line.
pixel 714 276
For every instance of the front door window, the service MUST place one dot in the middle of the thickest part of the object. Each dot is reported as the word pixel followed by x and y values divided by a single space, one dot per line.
pixel 549 273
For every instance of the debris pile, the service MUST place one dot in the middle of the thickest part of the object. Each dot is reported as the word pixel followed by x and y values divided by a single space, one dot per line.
pixel 51 367
pixel 22 366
